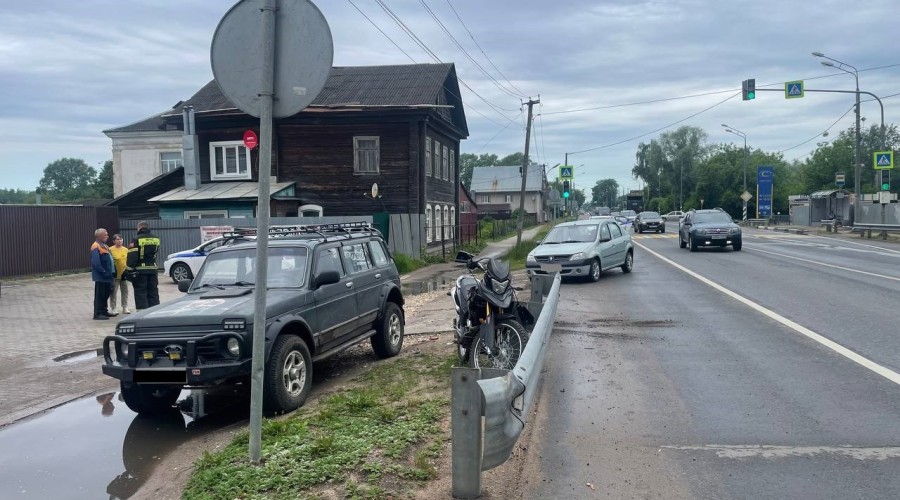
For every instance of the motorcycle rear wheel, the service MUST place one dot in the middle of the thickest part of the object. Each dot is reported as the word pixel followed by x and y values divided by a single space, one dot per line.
pixel 509 342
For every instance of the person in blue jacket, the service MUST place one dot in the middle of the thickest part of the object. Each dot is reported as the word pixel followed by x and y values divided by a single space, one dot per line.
pixel 103 273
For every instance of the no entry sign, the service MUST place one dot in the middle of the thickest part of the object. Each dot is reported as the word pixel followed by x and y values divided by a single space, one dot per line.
pixel 250 139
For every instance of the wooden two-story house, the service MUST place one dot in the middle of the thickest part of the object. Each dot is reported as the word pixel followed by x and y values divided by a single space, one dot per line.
pixel 395 126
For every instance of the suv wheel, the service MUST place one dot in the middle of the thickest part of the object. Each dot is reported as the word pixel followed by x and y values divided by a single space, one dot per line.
pixel 692 243
pixel 681 243
pixel 737 246
pixel 594 274
pixel 388 338
pixel 149 399
pixel 288 377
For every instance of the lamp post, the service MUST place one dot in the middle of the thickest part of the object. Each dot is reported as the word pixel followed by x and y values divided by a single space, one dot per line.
pixel 857 167
pixel 738 133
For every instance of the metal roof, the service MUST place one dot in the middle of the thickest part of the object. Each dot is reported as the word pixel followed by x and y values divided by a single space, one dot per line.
pixel 827 193
pixel 220 191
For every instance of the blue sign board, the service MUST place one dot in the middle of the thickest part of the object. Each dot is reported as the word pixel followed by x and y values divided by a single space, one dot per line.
pixel 765 177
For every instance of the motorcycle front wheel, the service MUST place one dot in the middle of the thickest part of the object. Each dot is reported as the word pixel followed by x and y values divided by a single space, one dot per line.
pixel 509 341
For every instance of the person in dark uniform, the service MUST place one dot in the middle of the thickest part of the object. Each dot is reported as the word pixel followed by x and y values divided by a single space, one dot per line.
pixel 141 264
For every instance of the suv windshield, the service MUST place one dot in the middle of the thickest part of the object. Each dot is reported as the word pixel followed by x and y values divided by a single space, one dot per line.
pixel 712 218
pixel 649 215
pixel 582 233
pixel 287 268
pixel 628 213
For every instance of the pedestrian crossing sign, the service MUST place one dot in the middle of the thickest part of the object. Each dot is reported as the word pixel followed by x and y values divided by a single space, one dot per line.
pixel 793 90
pixel 566 172
pixel 883 160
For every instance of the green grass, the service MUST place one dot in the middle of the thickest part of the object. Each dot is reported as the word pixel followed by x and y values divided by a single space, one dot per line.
pixel 518 253
pixel 376 439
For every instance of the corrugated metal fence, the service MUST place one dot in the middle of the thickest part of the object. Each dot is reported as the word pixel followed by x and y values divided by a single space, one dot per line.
pixel 36 239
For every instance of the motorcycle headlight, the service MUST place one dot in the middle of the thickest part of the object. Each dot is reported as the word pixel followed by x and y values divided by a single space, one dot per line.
pixel 499 286
pixel 577 256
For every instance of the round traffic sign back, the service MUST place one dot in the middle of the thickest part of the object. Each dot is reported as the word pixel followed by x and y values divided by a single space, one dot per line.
pixel 304 52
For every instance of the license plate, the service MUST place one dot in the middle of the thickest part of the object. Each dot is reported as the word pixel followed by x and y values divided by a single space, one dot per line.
pixel 160 376
pixel 717 236
pixel 551 268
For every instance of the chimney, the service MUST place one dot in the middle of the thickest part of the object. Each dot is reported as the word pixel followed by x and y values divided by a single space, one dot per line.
pixel 190 154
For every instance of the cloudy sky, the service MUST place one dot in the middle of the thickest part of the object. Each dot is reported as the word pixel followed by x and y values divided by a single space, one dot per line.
pixel 69 70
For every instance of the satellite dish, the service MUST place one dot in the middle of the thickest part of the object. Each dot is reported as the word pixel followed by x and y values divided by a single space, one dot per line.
pixel 374 190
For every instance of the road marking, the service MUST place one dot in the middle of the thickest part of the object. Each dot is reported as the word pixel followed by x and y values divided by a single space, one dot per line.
pixel 771 451
pixel 842 268
pixel 891 250
pixel 834 346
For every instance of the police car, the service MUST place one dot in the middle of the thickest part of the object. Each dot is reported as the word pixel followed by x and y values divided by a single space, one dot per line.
pixel 184 265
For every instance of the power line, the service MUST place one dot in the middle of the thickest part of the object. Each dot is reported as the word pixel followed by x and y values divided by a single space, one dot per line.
pixel 466 53
pixel 482 50
pixel 820 133
pixel 661 128
pixel 497 134
pixel 382 31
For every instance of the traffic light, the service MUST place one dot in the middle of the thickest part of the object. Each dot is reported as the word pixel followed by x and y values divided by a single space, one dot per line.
pixel 748 89
pixel 885 180
pixel 565 189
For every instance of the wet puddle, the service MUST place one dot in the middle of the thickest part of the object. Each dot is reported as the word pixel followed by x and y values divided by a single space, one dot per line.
pixel 428 285
pixel 97 448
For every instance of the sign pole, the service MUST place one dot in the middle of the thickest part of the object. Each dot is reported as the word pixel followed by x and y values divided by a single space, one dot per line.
pixel 267 83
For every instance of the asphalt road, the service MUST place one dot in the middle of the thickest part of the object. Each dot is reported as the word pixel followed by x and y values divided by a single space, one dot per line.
pixel 765 373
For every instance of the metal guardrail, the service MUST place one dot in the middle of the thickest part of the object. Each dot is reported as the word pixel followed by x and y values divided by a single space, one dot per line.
pixel 502 397
pixel 866 229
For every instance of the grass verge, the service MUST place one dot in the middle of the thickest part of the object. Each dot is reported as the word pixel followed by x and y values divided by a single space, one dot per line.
pixel 375 439
pixel 517 254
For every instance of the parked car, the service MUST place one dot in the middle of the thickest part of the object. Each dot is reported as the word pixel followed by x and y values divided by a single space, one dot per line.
pixel 184 265
pixel 328 288
pixel 673 215
pixel 710 227
pixel 649 221
pixel 583 248
pixel 602 211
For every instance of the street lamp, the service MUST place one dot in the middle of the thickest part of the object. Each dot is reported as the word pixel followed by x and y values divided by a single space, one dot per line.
pixel 738 133
pixel 856 175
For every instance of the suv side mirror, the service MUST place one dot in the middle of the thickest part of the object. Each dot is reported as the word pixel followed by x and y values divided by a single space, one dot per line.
pixel 184 285
pixel 328 277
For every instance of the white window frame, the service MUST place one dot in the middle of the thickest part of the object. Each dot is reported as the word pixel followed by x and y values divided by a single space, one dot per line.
pixel 310 208
pixel 485 198
pixel 166 166
pixel 356 152
pixel 225 176
pixel 509 198
pixel 429 170
pixel 437 159
pixel 453 165
pixel 448 231
pixel 213 214
pixel 452 222
pixel 445 166
pixel 428 224
pixel 438 217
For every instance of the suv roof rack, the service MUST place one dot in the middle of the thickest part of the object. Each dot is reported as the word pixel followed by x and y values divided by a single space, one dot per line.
pixel 346 229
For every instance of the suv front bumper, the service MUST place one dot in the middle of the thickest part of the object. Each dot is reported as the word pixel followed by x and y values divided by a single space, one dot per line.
pixel 716 241
pixel 189 370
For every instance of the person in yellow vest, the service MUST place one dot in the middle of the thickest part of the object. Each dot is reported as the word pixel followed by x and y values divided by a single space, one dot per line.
pixel 119 288
pixel 141 265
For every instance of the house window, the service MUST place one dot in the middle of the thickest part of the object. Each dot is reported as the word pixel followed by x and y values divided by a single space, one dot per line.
pixel 437 160
pixel 206 214
pixel 428 169
pixel 509 198
pixel 429 230
pixel 169 162
pixel 229 160
pixel 464 206
pixel 485 198
pixel 437 223
pixel 445 169
pixel 366 155
pixel 448 231
pixel 453 165
pixel 452 222
pixel 311 211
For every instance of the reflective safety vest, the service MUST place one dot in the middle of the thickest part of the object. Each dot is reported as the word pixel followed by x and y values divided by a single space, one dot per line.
pixel 142 252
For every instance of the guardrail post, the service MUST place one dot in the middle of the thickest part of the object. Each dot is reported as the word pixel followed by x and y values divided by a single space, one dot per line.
pixel 466 434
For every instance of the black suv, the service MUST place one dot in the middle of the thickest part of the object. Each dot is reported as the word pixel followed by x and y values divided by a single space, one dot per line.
pixel 711 227
pixel 649 221
pixel 328 287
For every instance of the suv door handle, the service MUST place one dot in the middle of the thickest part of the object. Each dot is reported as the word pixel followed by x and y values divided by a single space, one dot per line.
pixel 349 284
pixel 378 276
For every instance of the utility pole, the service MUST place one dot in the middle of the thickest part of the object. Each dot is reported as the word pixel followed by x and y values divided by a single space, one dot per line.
pixel 531 103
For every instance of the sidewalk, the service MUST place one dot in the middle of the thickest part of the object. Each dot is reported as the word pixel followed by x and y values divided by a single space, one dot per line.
pixel 45 319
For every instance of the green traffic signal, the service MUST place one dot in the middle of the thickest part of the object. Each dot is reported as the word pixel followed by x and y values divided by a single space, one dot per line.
pixel 565 189
pixel 885 180
pixel 748 89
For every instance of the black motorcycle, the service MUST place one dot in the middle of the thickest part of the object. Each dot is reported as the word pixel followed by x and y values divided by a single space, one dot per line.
pixel 489 324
